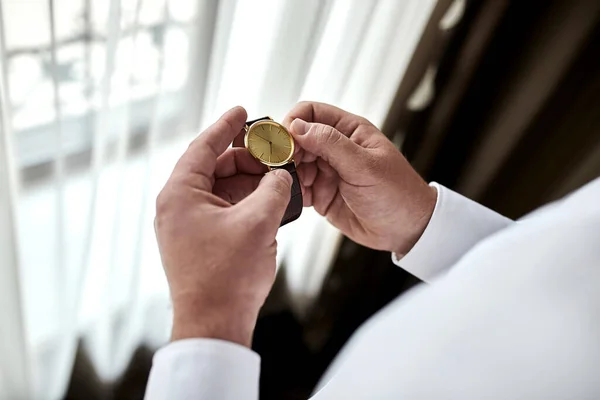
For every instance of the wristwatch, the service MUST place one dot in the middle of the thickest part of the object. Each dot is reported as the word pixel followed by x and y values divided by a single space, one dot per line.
pixel 271 144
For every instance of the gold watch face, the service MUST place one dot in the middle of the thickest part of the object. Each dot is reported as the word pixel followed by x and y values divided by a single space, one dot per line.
pixel 270 143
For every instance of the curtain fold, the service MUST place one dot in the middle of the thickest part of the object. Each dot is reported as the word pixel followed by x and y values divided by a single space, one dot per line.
pixel 15 377
pixel 99 99
pixel 512 122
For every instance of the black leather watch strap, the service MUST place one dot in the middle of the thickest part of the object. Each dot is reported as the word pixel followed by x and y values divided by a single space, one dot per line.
pixel 248 123
pixel 294 208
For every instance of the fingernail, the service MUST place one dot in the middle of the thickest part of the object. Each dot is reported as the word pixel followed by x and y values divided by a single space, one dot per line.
pixel 299 126
pixel 283 174
pixel 237 109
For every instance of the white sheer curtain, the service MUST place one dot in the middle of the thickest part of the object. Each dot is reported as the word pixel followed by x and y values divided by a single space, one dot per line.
pixel 99 98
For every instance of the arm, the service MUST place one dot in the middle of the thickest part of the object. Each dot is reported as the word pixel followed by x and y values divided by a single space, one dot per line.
pixel 353 175
pixel 456 225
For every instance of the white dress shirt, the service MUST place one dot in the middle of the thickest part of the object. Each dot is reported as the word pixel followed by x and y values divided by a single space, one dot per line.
pixel 511 311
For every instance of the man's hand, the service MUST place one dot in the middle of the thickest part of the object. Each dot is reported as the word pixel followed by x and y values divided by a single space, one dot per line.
pixel 353 175
pixel 219 258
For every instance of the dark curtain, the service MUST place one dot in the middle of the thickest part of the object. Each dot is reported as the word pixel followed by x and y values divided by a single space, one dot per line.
pixel 514 122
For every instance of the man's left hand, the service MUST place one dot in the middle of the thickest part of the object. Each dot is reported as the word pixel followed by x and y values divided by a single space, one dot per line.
pixel 216 220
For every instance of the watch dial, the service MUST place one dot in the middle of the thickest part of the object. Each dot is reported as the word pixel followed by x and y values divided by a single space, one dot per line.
pixel 270 143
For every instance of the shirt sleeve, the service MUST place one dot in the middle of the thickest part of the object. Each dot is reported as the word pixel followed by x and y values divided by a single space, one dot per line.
pixel 456 225
pixel 204 369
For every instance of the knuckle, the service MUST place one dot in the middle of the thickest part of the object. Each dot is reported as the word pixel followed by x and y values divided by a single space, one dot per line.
pixel 163 202
pixel 166 203
pixel 194 142
pixel 326 135
pixel 304 104
pixel 302 109
pixel 366 122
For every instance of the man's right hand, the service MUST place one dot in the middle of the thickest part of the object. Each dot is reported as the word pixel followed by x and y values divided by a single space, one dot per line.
pixel 353 175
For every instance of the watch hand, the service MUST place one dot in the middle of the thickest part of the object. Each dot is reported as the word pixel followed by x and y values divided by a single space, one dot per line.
pixel 262 138
pixel 270 150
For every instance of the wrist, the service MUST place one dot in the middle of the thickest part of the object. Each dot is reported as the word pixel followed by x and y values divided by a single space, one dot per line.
pixel 422 216
pixel 195 318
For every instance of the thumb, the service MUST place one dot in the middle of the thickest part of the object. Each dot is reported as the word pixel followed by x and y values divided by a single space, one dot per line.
pixel 326 142
pixel 270 199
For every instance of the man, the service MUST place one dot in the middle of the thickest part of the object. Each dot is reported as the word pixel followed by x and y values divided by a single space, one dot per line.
pixel 511 311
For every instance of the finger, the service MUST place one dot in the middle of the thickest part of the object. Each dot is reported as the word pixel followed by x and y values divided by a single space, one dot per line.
pixel 307 173
pixel 267 204
pixel 238 161
pixel 351 125
pixel 201 156
pixel 309 157
pixel 234 189
pixel 306 196
pixel 313 111
pixel 325 169
pixel 324 141
pixel 324 190
pixel 298 154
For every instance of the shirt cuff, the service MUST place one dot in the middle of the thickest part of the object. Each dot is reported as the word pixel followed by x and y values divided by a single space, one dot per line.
pixel 204 369
pixel 456 225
